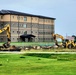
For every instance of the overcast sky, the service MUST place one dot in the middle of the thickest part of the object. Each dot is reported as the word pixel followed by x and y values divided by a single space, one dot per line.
pixel 63 10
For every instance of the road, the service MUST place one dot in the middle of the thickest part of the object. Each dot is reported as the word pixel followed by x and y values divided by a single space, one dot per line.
pixel 15 52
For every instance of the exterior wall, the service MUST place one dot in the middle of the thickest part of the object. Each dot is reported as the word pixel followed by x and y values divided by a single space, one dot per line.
pixel 5 18
pixel 40 27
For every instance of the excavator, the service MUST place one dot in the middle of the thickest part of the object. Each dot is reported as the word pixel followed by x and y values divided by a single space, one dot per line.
pixel 11 48
pixel 6 28
pixel 66 43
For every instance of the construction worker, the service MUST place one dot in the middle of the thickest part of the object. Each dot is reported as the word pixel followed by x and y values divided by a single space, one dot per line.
pixel 6 45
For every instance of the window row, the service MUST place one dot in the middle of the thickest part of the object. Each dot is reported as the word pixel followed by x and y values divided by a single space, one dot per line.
pixel 43 20
pixel 25 18
pixel 21 18
pixel 1 39
pixel 40 26
pixel 16 17
pixel 45 33
pixel 19 32
pixel 18 25
pixel 44 38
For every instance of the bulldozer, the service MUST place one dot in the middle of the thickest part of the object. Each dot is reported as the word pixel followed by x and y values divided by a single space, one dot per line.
pixel 66 43
pixel 11 48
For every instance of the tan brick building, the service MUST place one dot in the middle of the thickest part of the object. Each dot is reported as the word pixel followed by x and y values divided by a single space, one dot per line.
pixel 23 23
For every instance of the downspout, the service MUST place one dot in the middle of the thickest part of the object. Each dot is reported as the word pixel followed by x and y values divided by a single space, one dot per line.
pixel 38 28
pixel 43 30
pixel 10 27
pixel 18 28
pixel 31 24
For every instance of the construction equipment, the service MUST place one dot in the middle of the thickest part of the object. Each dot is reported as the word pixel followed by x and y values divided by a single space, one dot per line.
pixel 11 48
pixel 66 43
pixel 7 29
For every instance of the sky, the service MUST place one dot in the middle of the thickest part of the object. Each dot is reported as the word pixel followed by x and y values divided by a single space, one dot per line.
pixel 63 10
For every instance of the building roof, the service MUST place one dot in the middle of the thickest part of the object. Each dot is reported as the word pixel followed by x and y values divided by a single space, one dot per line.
pixel 4 12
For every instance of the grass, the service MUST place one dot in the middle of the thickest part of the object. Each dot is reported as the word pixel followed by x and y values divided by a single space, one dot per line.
pixel 37 64
pixel 30 43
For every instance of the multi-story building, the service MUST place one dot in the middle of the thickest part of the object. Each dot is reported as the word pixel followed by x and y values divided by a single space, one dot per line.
pixel 23 23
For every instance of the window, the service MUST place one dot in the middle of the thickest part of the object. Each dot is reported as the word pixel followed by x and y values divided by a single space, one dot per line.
pixel 13 17
pixel 40 20
pixel 22 32
pixel 52 27
pixel 31 18
pixel 24 25
pixel 1 38
pixel 25 18
pixel 52 21
pixel 35 32
pixel 21 18
pixel 48 21
pixel 2 25
pixel 20 25
pixel 31 31
pixel 18 17
pixel 18 32
pixel 35 18
pixel 2 17
pixel 12 24
pixel 13 31
pixel 17 38
pixel 40 26
pixel 25 32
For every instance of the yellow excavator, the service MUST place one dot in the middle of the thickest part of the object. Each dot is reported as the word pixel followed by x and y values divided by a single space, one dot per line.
pixel 66 43
pixel 7 29
pixel 11 48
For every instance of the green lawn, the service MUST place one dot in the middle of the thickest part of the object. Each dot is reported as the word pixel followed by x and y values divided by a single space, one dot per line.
pixel 37 64
pixel 30 43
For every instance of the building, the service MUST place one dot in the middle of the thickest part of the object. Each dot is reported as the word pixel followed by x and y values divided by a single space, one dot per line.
pixel 26 24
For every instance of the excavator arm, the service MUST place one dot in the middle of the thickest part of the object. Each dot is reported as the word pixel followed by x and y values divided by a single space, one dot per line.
pixel 6 28
pixel 55 36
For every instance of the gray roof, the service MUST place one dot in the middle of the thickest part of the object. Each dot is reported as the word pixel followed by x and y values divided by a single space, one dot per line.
pixel 4 12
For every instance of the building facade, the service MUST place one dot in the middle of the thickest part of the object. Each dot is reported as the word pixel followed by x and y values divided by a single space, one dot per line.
pixel 23 23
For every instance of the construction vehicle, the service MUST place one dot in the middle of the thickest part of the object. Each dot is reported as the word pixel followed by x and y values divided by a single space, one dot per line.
pixel 7 29
pixel 66 43
pixel 11 48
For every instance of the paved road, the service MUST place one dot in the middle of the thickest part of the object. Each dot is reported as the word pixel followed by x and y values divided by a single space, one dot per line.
pixel 15 52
